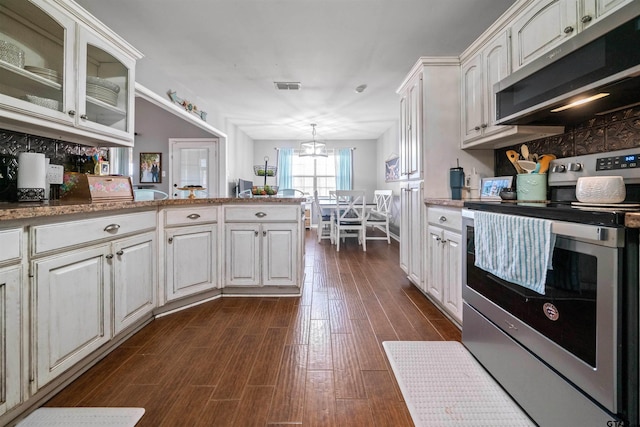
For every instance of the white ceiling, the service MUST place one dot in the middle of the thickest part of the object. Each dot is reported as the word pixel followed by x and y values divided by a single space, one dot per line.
pixel 231 51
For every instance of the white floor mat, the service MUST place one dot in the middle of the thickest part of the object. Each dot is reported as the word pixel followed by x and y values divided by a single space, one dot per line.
pixel 83 417
pixel 443 385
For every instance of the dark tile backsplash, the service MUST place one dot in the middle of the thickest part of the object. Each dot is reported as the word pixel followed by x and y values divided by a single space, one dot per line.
pixel 74 157
pixel 615 131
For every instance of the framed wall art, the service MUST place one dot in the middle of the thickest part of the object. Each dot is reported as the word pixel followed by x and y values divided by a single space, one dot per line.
pixel 150 167
pixel 392 169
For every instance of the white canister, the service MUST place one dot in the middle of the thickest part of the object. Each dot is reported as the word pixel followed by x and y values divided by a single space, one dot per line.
pixel 32 177
pixel 601 189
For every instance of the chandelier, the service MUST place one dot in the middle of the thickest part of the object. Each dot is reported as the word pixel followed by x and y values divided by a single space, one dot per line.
pixel 313 148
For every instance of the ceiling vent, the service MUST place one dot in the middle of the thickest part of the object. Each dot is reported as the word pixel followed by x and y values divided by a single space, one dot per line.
pixel 287 85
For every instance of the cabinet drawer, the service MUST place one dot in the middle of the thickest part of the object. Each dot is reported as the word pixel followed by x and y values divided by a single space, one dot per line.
pixel 70 233
pixel 11 247
pixel 448 218
pixel 252 213
pixel 187 216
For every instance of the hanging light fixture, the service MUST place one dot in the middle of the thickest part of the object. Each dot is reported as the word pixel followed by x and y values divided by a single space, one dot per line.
pixel 313 148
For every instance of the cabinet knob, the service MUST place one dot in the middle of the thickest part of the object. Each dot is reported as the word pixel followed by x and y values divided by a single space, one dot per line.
pixel 443 241
pixel 112 228
pixel 586 18
pixel 255 232
pixel 120 253
pixel 568 30
pixel 438 239
pixel 443 218
pixel 261 214
pixel 170 240
pixel 477 128
pixel 84 117
pixel 264 232
pixel 193 216
pixel 71 113
pixel 484 125
pixel 109 256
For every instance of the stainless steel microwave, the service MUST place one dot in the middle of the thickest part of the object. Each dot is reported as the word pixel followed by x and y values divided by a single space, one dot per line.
pixel 601 64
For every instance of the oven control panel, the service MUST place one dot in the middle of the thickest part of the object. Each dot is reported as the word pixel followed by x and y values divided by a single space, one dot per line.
pixel 626 161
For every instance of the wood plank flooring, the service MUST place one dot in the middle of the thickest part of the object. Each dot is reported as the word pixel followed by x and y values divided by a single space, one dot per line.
pixel 314 360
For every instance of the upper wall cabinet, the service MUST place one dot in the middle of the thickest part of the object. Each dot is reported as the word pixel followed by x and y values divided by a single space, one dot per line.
pixel 411 129
pixel 64 75
pixel 542 26
pixel 592 10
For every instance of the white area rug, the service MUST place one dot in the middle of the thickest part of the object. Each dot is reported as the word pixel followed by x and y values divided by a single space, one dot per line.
pixel 83 417
pixel 443 385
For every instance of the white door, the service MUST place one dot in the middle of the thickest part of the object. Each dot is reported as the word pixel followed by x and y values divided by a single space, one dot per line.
pixel 193 162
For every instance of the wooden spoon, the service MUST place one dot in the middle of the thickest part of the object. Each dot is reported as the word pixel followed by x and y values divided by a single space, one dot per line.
pixel 524 150
pixel 513 157
pixel 544 161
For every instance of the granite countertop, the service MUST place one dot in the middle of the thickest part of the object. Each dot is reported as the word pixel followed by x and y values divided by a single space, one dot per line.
pixel 16 211
pixel 446 202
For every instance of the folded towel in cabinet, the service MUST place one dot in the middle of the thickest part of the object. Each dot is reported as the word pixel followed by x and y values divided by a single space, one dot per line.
pixel 517 249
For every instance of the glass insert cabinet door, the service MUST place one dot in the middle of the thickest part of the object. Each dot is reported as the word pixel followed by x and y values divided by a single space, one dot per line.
pixel 36 58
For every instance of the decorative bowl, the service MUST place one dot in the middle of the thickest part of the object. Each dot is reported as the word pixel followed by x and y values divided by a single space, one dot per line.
pixel 600 189
pixel 508 194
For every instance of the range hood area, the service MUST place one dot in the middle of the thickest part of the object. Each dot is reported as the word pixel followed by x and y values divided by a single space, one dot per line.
pixel 602 62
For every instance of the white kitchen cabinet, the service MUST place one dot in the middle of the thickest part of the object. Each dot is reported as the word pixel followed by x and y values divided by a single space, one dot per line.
pixel 444 260
pixel 10 338
pixel 72 309
pixel 479 74
pixel 540 28
pixel 411 235
pixel 190 250
pixel 191 260
pixel 49 93
pixel 134 278
pixel 262 246
pixel 591 11
pixel 411 129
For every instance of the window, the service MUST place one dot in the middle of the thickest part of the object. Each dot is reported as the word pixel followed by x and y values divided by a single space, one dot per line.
pixel 314 173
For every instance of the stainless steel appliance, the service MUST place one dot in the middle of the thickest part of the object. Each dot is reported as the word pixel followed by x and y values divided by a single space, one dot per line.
pixel 602 61
pixel 570 356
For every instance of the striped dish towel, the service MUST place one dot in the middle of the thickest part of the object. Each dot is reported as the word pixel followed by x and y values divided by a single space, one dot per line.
pixel 517 249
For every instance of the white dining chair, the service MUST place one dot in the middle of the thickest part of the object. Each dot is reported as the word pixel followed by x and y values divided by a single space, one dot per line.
pixel 349 217
pixel 378 216
pixel 323 219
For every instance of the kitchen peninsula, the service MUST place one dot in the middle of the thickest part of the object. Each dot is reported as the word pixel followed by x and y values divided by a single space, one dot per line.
pixel 80 278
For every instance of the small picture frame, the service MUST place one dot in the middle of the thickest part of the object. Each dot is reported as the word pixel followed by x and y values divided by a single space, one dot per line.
pixel 491 187
pixel 104 167
pixel 150 168
pixel 392 169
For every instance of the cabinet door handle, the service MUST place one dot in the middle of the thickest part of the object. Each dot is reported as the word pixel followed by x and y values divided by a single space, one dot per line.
pixel 568 30
pixel 120 253
pixel 443 218
pixel 586 18
pixel 256 232
pixel 84 117
pixel 264 232
pixel 112 228
pixel 476 128
pixel 170 240
pixel 71 113
pixel 443 241
pixel 109 256
pixel 193 216
pixel 261 214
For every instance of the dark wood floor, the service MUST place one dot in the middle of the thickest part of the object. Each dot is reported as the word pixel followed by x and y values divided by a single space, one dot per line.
pixel 315 360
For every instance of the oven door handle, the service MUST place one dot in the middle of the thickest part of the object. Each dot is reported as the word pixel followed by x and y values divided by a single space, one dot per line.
pixel 605 236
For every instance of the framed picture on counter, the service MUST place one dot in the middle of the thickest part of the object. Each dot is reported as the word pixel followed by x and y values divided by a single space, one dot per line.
pixel 150 167
pixel 491 187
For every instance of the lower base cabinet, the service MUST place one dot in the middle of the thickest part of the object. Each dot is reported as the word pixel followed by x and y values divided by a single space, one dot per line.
pixel 444 260
pixel 190 260
pixel 72 318
pixel 10 338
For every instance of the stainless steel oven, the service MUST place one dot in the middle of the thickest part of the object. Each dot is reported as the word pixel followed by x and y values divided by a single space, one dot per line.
pixel 568 356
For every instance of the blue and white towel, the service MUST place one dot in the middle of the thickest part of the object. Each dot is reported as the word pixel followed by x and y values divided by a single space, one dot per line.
pixel 517 249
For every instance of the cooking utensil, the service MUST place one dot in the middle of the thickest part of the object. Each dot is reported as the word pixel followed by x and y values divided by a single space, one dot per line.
pixel 544 162
pixel 527 165
pixel 513 157
pixel 524 150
